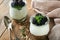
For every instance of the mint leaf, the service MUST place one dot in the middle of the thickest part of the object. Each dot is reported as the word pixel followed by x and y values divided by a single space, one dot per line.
pixel 39 18
pixel 18 7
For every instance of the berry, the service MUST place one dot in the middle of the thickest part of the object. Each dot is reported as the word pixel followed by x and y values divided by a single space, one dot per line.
pixel 34 21
pixel 13 4
pixel 21 3
pixel 45 19
pixel 42 22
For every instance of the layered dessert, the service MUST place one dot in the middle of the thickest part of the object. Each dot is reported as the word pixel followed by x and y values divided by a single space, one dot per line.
pixel 39 25
pixel 18 9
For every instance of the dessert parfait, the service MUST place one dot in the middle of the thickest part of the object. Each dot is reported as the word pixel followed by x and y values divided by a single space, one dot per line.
pixel 39 25
pixel 18 9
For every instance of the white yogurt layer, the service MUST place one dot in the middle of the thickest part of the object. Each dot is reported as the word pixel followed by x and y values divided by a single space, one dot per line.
pixel 18 14
pixel 39 30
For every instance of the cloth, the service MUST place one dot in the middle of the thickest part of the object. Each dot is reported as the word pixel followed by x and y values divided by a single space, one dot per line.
pixel 52 9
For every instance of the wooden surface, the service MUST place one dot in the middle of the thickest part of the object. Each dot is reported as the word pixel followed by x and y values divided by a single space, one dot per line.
pixel 4 10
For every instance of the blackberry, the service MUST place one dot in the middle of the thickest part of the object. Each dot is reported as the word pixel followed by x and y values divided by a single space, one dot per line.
pixel 13 4
pixel 45 19
pixel 34 21
pixel 21 3
pixel 42 22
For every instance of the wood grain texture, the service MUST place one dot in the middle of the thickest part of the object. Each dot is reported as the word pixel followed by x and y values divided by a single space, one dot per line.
pixel 3 11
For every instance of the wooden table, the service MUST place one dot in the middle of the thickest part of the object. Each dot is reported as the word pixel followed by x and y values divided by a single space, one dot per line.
pixel 4 10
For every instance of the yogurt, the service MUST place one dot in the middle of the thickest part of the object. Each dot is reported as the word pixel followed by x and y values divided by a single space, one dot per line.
pixel 39 30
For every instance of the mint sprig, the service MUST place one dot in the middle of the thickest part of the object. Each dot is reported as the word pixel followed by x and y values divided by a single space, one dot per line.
pixel 18 7
pixel 39 18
